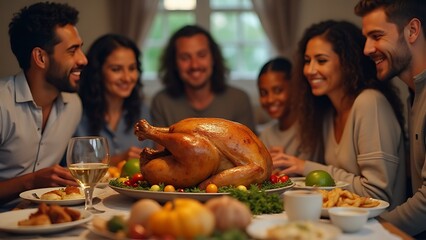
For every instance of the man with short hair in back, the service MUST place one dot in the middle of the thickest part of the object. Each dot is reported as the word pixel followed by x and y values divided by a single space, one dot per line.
pixel 396 41
pixel 194 74
pixel 39 109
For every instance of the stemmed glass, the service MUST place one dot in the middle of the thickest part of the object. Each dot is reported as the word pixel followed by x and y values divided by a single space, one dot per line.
pixel 88 161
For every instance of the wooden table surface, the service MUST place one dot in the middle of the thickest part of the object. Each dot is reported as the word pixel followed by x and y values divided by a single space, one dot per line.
pixel 393 229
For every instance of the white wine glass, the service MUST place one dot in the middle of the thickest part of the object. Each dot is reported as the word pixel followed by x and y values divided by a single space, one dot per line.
pixel 88 161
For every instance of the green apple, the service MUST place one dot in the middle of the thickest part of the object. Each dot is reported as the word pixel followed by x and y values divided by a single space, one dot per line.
pixel 319 178
pixel 130 167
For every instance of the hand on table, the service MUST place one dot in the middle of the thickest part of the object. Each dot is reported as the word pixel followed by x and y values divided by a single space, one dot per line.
pixel 284 163
pixel 54 176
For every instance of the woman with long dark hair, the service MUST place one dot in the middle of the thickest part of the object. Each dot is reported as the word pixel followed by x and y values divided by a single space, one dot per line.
pixel 111 92
pixel 345 112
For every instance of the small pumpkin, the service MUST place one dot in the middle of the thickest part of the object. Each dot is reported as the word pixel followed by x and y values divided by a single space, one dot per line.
pixel 229 213
pixel 182 218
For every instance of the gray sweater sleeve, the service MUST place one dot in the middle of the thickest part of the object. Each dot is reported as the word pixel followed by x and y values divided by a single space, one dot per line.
pixel 370 154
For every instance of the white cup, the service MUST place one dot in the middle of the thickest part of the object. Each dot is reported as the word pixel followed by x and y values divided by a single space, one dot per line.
pixel 303 205
pixel 349 219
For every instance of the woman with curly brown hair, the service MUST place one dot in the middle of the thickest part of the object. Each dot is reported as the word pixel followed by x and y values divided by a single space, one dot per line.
pixel 346 113
pixel 111 92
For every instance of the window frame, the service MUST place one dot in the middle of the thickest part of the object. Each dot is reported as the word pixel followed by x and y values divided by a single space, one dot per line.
pixel 202 17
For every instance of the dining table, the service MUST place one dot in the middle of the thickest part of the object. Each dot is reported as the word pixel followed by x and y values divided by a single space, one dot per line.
pixel 114 203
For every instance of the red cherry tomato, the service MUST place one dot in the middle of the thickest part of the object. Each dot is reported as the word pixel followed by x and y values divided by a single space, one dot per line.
pixel 282 178
pixel 127 183
pixel 273 178
pixel 137 177
pixel 137 231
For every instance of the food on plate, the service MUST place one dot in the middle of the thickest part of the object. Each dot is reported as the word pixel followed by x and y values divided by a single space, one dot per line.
pixel 344 198
pixel 319 178
pixel 299 230
pixel 134 226
pixel 185 218
pixel 155 188
pixel 180 218
pixel 67 193
pixel 142 210
pixel 53 195
pixel 53 214
pixel 211 188
pixel 279 178
pixel 115 171
pixel 212 150
pixel 229 213
pixel 116 223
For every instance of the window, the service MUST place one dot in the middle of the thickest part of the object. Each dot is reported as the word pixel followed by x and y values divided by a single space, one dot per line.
pixel 233 24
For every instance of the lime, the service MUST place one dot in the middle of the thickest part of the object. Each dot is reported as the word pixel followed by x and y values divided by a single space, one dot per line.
pixel 130 167
pixel 319 178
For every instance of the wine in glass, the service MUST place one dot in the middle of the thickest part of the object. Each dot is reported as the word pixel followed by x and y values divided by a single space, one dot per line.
pixel 88 161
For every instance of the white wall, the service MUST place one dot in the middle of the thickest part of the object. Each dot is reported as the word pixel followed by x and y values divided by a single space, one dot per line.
pixel 95 20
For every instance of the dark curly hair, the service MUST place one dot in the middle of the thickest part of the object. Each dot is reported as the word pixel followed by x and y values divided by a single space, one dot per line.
pixel 399 12
pixel 278 64
pixel 34 26
pixel 92 86
pixel 358 70
pixel 169 74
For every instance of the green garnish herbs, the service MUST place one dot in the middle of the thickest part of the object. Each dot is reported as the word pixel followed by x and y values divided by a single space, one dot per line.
pixel 256 198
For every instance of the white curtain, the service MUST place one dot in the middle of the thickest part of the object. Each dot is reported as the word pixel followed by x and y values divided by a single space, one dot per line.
pixel 133 18
pixel 278 18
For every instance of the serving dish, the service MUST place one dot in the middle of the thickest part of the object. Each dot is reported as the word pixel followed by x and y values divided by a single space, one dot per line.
pixel 258 228
pixel 105 234
pixel 29 195
pixel 104 183
pixel 10 221
pixel 373 211
pixel 167 196
pixel 300 184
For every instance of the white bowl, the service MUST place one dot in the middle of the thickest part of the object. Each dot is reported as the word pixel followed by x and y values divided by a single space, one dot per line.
pixel 349 219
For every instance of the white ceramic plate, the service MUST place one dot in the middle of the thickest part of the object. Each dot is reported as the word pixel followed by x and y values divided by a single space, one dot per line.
pixel 258 228
pixel 373 212
pixel 9 222
pixel 105 234
pixel 28 195
pixel 167 196
pixel 300 184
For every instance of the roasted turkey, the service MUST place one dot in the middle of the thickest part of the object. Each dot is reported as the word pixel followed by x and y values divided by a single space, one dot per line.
pixel 199 151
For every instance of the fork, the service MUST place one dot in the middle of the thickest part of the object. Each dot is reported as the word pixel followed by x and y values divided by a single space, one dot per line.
pixel 35 195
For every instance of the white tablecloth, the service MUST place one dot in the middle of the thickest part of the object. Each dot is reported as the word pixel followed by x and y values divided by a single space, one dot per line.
pixel 116 204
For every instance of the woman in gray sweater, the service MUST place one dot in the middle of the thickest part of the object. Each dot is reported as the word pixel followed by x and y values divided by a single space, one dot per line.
pixel 347 114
